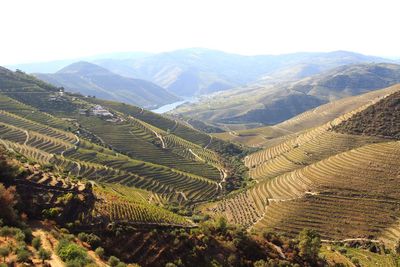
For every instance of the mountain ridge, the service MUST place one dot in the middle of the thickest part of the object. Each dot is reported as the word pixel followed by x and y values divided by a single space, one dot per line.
pixel 90 79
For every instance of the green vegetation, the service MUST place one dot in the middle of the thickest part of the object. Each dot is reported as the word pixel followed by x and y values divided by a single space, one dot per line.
pixel 44 255
pixel 72 254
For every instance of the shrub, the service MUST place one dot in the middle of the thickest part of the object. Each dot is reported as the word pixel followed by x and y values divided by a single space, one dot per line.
pixel 99 252
pixel 44 255
pixel 113 261
pixel 92 239
pixel 4 252
pixel 72 253
pixel 309 244
pixel 19 236
pixel 36 243
pixel 6 232
pixel 23 255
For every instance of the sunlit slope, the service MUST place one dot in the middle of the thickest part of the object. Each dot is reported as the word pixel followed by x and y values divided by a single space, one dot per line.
pixel 266 136
pixel 49 127
pixel 342 185
pixel 91 204
pixel 299 150
pixel 350 195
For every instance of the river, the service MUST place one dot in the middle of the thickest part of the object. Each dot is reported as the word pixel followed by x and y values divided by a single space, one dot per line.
pixel 171 106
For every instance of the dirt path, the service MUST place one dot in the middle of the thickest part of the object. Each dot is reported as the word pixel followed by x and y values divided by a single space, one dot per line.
pixel 27 137
pixel 49 243
pixel 351 239
pixel 197 156
pixel 159 136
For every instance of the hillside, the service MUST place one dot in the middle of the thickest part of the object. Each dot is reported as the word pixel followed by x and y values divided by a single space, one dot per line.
pixel 114 142
pixel 273 103
pixel 381 119
pixel 199 71
pixel 342 185
pixel 66 201
pixel 267 135
pixel 89 79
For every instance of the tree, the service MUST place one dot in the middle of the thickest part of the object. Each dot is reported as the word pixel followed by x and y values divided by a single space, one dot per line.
pixel 99 252
pixel 5 232
pixel 23 255
pixel 8 199
pixel 44 255
pixel 36 243
pixel 4 252
pixel 309 244
pixel 113 261
pixel 222 224
pixel 70 252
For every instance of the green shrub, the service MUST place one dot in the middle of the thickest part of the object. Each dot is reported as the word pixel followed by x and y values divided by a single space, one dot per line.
pixel 36 243
pixel 44 255
pixel 72 253
pixel 99 252
pixel 113 261
pixel 19 236
pixel 23 255
pixel 309 244
pixel 4 252
pixel 92 239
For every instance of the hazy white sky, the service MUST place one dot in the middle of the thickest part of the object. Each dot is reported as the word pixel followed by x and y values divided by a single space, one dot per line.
pixel 44 30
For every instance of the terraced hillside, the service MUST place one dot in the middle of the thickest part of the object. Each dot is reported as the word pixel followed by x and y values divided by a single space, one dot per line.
pixel 66 200
pixel 267 136
pixel 124 148
pixel 344 186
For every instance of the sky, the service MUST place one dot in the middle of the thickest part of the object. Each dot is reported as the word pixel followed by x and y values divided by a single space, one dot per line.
pixel 44 30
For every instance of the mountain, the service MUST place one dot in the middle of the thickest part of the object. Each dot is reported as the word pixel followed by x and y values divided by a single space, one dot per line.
pixel 93 180
pixel 274 103
pixel 329 177
pixel 56 65
pixel 90 79
pixel 268 135
pixel 200 71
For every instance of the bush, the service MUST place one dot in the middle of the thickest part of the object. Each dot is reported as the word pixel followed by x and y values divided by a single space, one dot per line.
pixel 44 255
pixel 23 255
pixel 72 253
pixel 113 261
pixel 92 239
pixel 36 243
pixel 99 252
pixel 309 244
pixel 4 252
pixel 19 236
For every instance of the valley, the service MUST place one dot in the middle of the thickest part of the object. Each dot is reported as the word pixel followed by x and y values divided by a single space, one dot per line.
pixel 176 187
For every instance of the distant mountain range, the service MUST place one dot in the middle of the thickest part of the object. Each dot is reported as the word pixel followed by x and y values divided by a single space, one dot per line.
pixel 199 71
pixel 271 104
pixel 90 79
